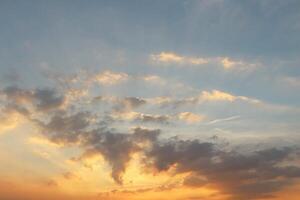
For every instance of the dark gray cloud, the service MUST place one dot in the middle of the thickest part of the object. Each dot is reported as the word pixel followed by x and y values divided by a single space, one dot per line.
pixel 47 99
pixel 248 175
pixel 116 148
pixel 41 99
pixel 244 176
pixel 64 128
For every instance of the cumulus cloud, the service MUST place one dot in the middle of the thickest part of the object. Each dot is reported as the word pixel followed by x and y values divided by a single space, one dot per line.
pixel 249 175
pixel 243 175
pixel 65 128
pixel 116 148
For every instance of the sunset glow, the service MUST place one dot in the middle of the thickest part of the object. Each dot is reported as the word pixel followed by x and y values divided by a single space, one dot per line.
pixel 150 100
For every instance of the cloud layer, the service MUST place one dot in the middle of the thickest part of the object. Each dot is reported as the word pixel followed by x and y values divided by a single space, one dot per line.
pixel 239 173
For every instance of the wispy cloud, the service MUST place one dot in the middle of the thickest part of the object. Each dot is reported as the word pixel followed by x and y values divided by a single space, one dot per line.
pixel 169 58
pixel 224 119
pixel 227 63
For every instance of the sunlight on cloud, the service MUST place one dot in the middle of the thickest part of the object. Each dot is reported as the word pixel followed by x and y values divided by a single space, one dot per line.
pixel 110 78
pixel 190 117
pixel 217 95
pixel 154 79
pixel 169 57
pixel 226 63
pixel 229 63
pixel 10 121
pixel 114 100
pixel 42 141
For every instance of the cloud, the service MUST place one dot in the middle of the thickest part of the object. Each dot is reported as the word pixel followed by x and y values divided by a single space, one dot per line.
pixel 190 117
pixel 41 99
pixel 291 81
pixel 226 63
pixel 9 119
pixel 229 64
pixel 110 78
pixel 132 102
pixel 187 117
pixel 195 181
pixel 169 58
pixel 223 119
pixel 63 128
pixel 205 96
pixel 121 104
pixel 21 104
pixel 249 175
pixel 217 95
pixel 47 99
pixel 116 148
pixel 41 141
pixel 153 118
pixel 243 175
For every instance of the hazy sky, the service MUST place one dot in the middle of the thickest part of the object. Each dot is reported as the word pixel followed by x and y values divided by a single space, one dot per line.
pixel 148 100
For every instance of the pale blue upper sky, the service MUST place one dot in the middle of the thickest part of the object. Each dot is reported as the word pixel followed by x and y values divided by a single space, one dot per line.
pixel 64 37
pixel 69 35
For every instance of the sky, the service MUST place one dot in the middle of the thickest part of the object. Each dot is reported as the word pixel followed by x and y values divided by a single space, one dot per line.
pixel 149 100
